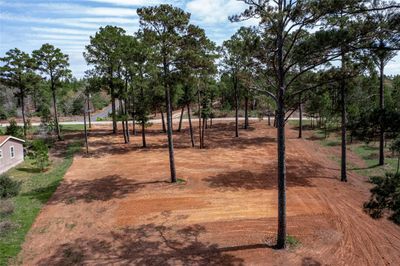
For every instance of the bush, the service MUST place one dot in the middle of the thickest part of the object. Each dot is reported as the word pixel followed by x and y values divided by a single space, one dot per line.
pixel 385 197
pixel 14 130
pixel 6 208
pixel 40 154
pixel 5 227
pixel 3 114
pixel 395 148
pixel 8 187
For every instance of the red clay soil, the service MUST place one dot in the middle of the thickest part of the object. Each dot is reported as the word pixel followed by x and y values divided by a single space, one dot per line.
pixel 116 206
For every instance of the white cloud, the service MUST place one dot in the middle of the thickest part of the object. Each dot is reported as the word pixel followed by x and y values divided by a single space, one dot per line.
pixel 214 11
pixel 91 11
pixel 59 42
pixel 72 9
pixel 116 12
pixel 59 37
pixel 134 2
pixel 85 23
pixel 62 31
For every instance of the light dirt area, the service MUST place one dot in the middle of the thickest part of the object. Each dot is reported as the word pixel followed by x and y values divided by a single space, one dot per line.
pixel 116 206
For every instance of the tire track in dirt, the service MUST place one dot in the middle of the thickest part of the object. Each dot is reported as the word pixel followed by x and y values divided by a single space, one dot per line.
pixel 115 206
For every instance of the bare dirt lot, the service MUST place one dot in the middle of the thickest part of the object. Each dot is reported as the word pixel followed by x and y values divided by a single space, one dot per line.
pixel 116 207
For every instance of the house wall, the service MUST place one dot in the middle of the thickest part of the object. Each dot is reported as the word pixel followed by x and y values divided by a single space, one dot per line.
pixel 6 162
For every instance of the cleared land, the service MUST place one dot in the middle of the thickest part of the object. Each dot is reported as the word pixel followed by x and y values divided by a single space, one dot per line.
pixel 116 206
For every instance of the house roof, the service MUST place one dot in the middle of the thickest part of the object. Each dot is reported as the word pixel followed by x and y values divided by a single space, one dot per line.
pixel 4 139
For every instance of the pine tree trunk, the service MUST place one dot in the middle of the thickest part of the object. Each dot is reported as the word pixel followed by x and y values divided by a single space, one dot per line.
pixel 190 125
pixel 300 118
pixel 180 120
pixel 381 106
pixel 121 113
pixel 281 239
pixel 280 122
pixel 23 111
pixel 133 114
pixel 85 131
pixel 200 126
pixel 88 109
pixel 269 118
pixel 143 119
pixel 143 134
pixel 343 114
pixel 126 122
pixel 127 130
pixel 236 107
pixel 203 133
pixel 163 121
pixel 124 132
pixel 246 114
pixel 169 124
pixel 53 90
pixel 113 109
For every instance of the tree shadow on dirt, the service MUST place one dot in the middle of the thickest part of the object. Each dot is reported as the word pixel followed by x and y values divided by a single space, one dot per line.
pixel 221 135
pixel 101 189
pixel 299 174
pixel 147 244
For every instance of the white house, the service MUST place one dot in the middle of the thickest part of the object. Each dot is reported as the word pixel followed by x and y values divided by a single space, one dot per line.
pixel 11 152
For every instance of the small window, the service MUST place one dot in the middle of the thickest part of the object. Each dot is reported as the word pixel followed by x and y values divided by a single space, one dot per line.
pixel 12 152
pixel 1 154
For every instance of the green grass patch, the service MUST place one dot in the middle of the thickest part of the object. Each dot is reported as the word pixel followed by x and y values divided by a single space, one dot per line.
pixel 68 128
pixel 181 181
pixel 306 122
pixel 370 154
pixel 36 189
pixel 330 143
pixel 292 242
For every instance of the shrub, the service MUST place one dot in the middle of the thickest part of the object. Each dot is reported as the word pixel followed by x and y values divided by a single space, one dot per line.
pixel 395 148
pixel 14 130
pixel 292 242
pixel 8 187
pixel 6 207
pixel 40 154
pixel 5 227
pixel 385 197
pixel 3 114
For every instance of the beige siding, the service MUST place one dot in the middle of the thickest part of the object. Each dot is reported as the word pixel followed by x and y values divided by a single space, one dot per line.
pixel 6 162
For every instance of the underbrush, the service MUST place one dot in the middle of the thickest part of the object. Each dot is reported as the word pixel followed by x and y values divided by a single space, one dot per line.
pixel 385 198
pixel 385 195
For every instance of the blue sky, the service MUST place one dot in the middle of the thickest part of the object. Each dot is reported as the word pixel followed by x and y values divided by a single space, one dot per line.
pixel 67 24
